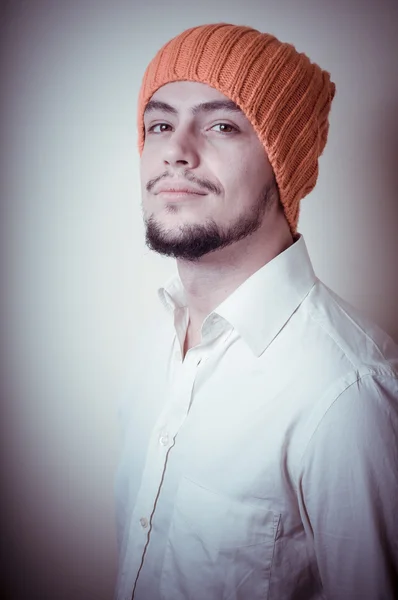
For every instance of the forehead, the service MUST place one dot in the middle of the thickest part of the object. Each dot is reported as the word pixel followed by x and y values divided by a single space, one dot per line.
pixel 186 89
pixel 179 95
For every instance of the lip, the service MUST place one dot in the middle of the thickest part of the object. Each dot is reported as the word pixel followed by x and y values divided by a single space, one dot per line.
pixel 177 189
pixel 178 196
pixel 180 193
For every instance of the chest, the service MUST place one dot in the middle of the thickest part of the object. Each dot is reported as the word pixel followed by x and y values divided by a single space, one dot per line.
pixel 233 424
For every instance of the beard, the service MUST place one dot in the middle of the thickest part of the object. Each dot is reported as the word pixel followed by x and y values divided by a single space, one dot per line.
pixel 194 241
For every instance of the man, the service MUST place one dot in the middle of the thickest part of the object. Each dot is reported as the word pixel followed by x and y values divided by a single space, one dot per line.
pixel 260 455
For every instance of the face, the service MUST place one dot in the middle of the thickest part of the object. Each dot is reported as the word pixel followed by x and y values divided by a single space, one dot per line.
pixel 205 178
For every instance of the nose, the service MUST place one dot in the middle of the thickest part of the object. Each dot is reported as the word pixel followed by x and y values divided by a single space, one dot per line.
pixel 181 149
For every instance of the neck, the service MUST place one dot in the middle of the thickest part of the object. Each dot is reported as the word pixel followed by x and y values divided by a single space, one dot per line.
pixel 215 276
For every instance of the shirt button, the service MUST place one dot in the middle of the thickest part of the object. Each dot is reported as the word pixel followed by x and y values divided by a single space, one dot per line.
pixel 164 439
pixel 144 522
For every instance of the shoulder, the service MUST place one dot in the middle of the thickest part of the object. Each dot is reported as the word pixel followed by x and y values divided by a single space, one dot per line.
pixel 352 375
pixel 350 332
pixel 151 340
pixel 356 430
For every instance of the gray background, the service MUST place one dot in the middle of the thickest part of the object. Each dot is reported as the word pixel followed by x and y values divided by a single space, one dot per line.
pixel 76 278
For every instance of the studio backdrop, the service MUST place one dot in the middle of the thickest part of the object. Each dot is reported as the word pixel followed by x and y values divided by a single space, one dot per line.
pixel 77 280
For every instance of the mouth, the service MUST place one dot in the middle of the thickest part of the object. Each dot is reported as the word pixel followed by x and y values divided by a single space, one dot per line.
pixel 177 195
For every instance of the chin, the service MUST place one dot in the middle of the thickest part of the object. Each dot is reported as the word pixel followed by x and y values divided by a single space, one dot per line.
pixel 175 221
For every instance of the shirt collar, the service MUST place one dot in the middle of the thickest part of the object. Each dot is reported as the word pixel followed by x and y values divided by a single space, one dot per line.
pixel 260 307
pixel 172 294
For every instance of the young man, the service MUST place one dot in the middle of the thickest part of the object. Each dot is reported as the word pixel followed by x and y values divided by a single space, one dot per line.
pixel 260 455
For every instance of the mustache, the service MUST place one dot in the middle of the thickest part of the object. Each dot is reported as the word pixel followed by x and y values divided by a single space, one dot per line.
pixel 201 183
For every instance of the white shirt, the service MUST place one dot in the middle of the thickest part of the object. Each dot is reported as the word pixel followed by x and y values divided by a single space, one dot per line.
pixel 265 465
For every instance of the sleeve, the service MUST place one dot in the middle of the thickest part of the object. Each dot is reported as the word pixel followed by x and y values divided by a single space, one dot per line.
pixel 348 492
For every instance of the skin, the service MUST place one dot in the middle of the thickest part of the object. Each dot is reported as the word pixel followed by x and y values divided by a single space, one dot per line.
pixel 222 237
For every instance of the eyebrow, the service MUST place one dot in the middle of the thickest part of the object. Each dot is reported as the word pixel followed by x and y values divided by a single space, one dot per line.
pixel 206 107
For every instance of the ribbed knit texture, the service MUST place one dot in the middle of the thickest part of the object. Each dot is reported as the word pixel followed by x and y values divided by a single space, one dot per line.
pixel 285 97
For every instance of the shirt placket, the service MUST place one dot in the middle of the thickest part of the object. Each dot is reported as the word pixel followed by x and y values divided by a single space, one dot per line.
pixel 162 441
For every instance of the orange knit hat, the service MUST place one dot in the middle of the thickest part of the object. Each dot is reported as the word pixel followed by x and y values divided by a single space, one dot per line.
pixel 285 97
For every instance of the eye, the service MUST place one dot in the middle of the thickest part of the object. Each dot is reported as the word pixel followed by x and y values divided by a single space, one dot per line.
pixel 226 127
pixel 152 129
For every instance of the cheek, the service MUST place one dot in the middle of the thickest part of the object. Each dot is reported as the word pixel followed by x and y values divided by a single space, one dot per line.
pixel 147 174
pixel 238 181
pixel 243 182
pixel 144 163
pixel 251 172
